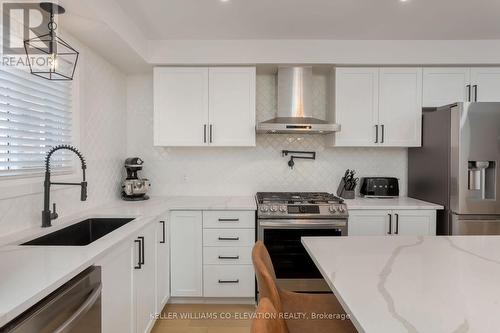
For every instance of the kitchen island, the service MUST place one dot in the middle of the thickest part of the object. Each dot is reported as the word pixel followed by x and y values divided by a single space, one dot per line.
pixel 413 284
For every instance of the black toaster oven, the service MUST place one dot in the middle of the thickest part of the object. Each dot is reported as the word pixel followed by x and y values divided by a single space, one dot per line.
pixel 379 187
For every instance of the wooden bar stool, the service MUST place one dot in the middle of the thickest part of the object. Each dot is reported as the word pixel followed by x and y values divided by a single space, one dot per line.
pixel 289 302
pixel 267 319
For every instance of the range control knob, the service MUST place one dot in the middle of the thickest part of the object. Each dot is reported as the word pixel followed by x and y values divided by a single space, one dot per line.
pixel 263 209
pixel 333 209
pixel 274 208
pixel 341 209
pixel 282 209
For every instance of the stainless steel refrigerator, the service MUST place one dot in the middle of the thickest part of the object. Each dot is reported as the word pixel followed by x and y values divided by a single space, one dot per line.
pixel 457 167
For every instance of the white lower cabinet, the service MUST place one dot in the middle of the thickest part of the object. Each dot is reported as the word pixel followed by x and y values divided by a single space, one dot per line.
pixel 117 297
pixel 162 264
pixel 392 222
pixel 129 284
pixel 414 222
pixel 228 281
pixel 368 223
pixel 186 254
pixel 145 278
pixel 211 254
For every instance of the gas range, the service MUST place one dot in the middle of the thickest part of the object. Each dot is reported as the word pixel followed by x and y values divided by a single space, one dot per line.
pixel 283 218
pixel 300 205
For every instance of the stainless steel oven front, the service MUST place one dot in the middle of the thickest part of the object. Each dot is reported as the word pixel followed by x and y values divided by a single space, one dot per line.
pixel 294 268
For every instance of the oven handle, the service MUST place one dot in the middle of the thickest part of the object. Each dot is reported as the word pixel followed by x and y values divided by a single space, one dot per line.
pixel 306 224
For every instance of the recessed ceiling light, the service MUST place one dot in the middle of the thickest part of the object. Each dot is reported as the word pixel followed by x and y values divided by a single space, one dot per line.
pixel 224 0
pixel 404 0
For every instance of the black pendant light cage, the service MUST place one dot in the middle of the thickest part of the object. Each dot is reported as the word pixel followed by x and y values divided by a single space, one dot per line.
pixel 49 56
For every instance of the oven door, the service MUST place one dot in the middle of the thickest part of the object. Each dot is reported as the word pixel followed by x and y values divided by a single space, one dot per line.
pixel 294 268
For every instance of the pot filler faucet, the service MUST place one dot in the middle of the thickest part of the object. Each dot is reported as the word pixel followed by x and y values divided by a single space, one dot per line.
pixel 47 215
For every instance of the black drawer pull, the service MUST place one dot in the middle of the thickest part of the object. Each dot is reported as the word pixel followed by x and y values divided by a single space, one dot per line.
pixel 229 238
pixel 143 254
pixel 230 281
pixel 228 220
pixel 163 228
pixel 139 264
pixel 229 257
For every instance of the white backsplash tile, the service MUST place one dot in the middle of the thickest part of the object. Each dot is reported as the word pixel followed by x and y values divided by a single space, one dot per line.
pixel 244 171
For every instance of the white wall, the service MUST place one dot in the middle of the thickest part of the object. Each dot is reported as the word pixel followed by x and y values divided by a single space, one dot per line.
pixel 348 52
pixel 244 171
pixel 102 90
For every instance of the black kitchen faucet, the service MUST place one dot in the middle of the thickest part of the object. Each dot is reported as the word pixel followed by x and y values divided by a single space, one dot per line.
pixel 47 215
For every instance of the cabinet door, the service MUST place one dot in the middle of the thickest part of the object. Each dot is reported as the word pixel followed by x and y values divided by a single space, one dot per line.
pixel 356 106
pixel 162 265
pixel 117 290
pixel 414 222
pixel 232 106
pixel 486 84
pixel 369 223
pixel 186 253
pixel 144 280
pixel 400 107
pixel 444 86
pixel 180 106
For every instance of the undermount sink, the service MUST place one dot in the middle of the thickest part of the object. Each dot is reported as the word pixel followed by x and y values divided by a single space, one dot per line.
pixel 81 233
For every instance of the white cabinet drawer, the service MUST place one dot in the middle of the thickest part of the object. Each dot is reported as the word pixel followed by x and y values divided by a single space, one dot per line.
pixel 228 281
pixel 227 255
pixel 228 237
pixel 228 219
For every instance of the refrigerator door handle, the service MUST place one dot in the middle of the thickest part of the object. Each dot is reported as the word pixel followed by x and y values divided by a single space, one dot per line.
pixel 469 97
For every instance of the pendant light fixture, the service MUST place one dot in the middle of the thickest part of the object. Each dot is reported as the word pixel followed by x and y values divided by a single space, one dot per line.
pixel 49 56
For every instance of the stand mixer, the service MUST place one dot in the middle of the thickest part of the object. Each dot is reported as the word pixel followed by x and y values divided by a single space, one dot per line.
pixel 134 188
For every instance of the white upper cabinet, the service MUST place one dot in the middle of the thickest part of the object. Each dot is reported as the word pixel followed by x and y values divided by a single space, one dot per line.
pixel 180 106
pixel 400 107
pixel 356 92
pixel 485 84
pixel 443 86
pixel 378 107
pixel 448 85
pixel 204 106
pixel 232 106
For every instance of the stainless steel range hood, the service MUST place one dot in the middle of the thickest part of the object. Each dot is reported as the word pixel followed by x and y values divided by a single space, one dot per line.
pixel 295 113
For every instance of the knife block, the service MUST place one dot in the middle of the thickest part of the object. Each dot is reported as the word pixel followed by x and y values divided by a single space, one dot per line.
pixel 343 193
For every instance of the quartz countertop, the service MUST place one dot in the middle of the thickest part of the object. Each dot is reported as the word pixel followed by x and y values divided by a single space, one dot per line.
pixel 390 203
pixel 29 273
pixel 413 284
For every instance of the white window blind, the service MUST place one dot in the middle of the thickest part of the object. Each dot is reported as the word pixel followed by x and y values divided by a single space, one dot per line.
pixel 35 115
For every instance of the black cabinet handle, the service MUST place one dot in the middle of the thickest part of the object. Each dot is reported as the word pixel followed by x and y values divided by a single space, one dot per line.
pixel 475 92
pixel 230 281
pixel 468 93
pixel 139 264
pixel 211 130
pixel 205 133
pixel 229 257
pixel 229 238
pixel 163 228
pixel 143 260
pixel 376 133
pixel 383 133
pixel 228 220
pixel 397 223
pixel 390 224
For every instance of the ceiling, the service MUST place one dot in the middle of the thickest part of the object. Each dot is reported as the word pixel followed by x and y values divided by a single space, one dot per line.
pixel 315 19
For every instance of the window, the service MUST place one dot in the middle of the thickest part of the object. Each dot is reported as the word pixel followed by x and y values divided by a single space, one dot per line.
pixel 35 115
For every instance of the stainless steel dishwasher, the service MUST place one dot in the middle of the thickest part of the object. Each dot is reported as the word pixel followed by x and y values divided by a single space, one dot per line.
pixel 73 308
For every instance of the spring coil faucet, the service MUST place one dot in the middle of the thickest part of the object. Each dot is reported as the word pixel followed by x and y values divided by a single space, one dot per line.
pixel 47 215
